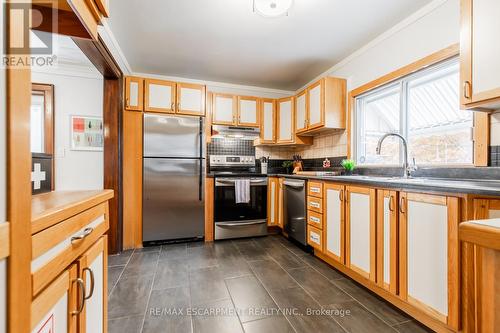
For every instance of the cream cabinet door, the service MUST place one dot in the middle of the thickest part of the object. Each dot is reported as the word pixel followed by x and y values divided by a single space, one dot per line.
pixel 285 120
pixel 360 234
pixel 93 271
pixel 190 99
pixel 301 112
pixel 387 240
pixel 224 109
pixel 268 121
pixel 334 226
pixel 315 99
pixel 159 96
pixel 429 254
pixel 134 92
pixel 55 309
pixel 248 111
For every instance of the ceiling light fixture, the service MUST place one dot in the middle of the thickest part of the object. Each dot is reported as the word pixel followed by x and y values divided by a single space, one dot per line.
pixel 272 8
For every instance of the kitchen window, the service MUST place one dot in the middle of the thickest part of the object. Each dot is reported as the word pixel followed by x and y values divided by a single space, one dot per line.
pixel 424 107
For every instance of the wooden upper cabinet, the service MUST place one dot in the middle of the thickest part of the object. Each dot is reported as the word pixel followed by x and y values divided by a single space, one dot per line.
pixel 429 254
pixel 224 109
pixel 301 112
pixel 190 99
pixel 134 93
pixel 268 121
pixel 285 120
pixel 248 111
pixel 159 96
pixel 315 104
pixel 480 54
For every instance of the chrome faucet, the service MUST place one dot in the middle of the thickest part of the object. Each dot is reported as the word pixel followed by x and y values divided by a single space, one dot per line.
pixel 407 169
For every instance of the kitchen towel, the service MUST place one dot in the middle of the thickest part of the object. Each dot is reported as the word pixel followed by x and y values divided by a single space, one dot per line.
pixel 242 190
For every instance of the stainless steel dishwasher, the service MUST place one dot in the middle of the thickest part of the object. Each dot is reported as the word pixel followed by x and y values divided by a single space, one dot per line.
pixel 295 212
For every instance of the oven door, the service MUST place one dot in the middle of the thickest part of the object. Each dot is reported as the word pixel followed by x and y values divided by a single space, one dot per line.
pixel 234 220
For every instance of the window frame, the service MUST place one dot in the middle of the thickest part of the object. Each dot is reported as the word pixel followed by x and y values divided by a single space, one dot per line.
pixel 402 77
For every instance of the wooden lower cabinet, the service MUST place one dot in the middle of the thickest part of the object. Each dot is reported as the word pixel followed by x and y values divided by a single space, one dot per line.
pixel 429 255
pixel 387 240
pixel 272 201
pixel 360 224
pixel 315 238
pixel 334 222
pixel 92 269
pixel 486 209
pixel 280 203
pixel 52 310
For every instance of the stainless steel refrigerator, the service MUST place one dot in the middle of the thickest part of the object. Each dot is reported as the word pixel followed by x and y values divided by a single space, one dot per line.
pixel 174 173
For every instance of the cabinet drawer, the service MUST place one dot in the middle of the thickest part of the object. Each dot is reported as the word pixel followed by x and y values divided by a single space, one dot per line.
pixel 315 189
pixel 53 249
pixel 315 204
pixel 315 219
pixel 315 237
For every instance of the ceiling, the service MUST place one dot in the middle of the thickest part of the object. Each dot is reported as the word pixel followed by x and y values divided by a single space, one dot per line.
pixel 223 40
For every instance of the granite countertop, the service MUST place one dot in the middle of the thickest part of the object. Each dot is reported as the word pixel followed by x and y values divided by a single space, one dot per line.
pixel 438 185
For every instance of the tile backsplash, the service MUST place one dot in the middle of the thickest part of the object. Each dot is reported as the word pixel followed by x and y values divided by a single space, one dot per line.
pixel 494 156
pixel 228 146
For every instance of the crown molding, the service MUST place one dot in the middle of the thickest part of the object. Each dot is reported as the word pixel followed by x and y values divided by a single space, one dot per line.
pixel 419 14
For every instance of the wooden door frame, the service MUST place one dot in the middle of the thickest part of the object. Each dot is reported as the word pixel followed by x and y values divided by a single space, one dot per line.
pixel 97 52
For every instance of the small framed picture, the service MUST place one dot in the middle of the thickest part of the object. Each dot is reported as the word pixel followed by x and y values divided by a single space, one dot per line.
pixel 87 133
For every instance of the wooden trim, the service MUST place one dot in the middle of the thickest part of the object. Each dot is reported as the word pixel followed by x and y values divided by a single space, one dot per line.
pixel 430 60
pixel 427 198
pixel 481 138
pixel 480 235
pixel 103 8
pixel 80 8
pixel 427 309
pixel 468 296
pixel 47 90
pixel 398 302
pixel 262 101
pixel 209 209
pixel 208 117
pixel 68 23
pixel 257 111
pixel 48 238
pixel 214 109
pixel 454 264
pixel 140 89
pixel 278 119
pixel 46 300
pixel 306 115
pixel 105 283
pixel 4 240
pixel 350 110
pixel 18 178
pixel 280 203
pixel 202 90
pixel 393 243
pixel 341 189
pixel 53 207
pixel 132 179
pixel 272 217
pixel 403 245
pixel 73 295
pixel 42 277
pixel 171 84
pixel 321 123
pixel 91 5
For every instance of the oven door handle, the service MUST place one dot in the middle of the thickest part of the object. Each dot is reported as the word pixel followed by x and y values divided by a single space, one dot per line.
pixel 253 182
pixel 233 224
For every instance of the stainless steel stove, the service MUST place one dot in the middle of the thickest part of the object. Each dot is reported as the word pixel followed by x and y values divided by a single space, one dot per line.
pixel 236 220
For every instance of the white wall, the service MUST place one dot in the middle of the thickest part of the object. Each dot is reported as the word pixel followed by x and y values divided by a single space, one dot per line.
pixel 3 187
pixel 495 129
pixel 82 96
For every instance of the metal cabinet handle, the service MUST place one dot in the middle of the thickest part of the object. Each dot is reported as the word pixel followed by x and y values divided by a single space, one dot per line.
pixel 85 234
pixel 401 204
pixel 81 284
pixel 172 106
pixel 341 195
pixel 467 89
pixel 127 102
pixel 92 281
pixel 391 208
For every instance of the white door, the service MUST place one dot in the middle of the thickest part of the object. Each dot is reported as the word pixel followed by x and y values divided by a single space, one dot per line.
pixel 160 96
pixel 285 125
pixel 334 214
pixel 315 109
pixel 224 110
pixel 427 253
pixel 248 111
pixel 300 112
pixel 268 121
pixel 485 46
pixel 191 99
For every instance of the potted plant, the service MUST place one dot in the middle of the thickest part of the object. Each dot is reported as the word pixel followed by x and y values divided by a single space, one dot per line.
pixel 288 166
pixel 349 166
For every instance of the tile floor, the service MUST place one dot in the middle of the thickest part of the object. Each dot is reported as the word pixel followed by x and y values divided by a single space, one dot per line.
pixel 252 285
